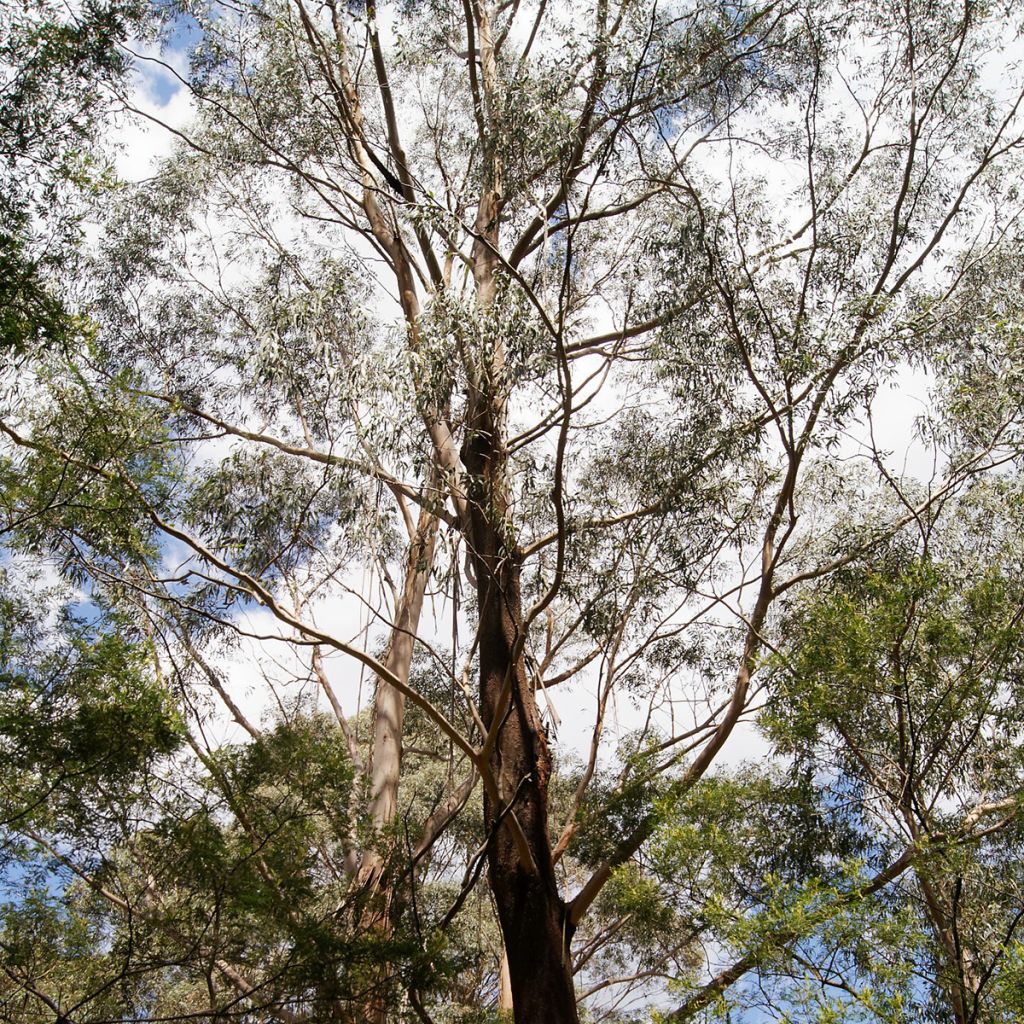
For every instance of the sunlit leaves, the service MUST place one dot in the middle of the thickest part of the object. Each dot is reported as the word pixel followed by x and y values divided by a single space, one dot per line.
pixel 909 658
pixel 96 465
pixel 268 518
pixel 80 708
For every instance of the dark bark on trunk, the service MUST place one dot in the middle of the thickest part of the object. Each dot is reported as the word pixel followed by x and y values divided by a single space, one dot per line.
pixel 533 917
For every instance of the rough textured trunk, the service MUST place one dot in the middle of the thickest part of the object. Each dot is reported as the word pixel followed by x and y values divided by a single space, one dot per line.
pixel 533 917
pixel 532 914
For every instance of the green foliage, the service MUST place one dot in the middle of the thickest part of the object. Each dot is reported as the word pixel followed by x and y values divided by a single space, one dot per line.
pixel 82 717
pixel 30 314
pixel 725 832
pixel 712 234
pixel 97 469
pixel 269 519
pixel 898 683
pixel 55 67
pixel 930 644
pixel 613 809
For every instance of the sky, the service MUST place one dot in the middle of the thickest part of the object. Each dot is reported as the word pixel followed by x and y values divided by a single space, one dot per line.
pixel 157 92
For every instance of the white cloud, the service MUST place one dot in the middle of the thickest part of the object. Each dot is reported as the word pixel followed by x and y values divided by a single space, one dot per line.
pixel 160 102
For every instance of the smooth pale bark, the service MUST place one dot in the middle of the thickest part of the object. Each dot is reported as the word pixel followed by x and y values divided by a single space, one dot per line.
pixel 385 766
pixel 389 703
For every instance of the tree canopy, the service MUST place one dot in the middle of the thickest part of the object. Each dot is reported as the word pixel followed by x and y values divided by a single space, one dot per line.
pixel 518 516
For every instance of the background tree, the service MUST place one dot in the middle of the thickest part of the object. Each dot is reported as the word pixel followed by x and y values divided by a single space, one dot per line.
pixel 58 67
pixel 552 323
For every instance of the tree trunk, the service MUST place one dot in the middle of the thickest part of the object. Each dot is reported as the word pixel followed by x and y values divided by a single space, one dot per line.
pixel 389 703
pixel 533 917
pixel 385 767
pixel 961 984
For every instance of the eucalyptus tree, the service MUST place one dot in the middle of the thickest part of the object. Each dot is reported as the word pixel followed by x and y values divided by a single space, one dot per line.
pixel 550 320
